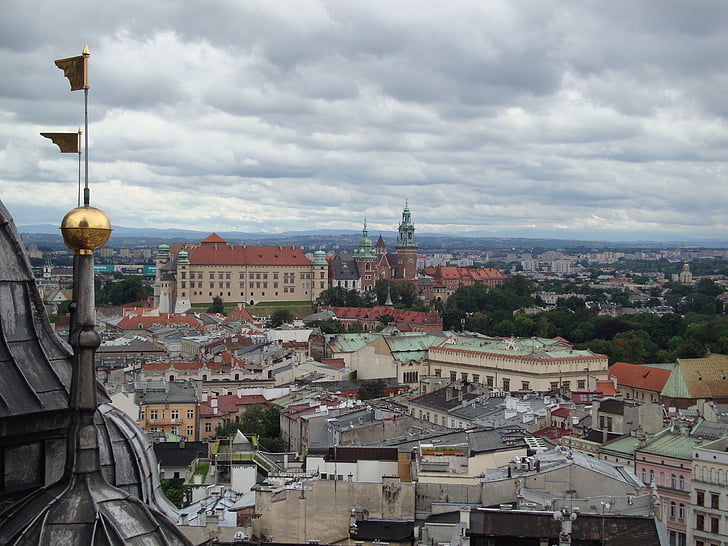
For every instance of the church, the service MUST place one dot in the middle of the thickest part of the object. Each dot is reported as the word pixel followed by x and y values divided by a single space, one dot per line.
pixel 368 263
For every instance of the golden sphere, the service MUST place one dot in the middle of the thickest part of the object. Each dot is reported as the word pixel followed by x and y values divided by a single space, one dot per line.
pixel 85 229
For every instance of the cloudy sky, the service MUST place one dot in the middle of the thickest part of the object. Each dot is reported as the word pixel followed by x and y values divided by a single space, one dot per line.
pixel 575 119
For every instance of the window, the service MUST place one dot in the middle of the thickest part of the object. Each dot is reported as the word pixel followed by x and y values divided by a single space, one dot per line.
pixel 174 414
pixel 190 414
pixel 489 381
pixel 525 385
pixel 153 415
pixel 506 384
pixel 699 498
pixel 242 276
pixel 464 376
pixel 476 378
pixel 673 510
pixel 208 427
pixel 673 481
pixel 714 524
pixel 699 522
pixel 644 475
pixel 652 476
pixel 212 275
pixel 681 483
pixel 554 385
pixel 581 384
pixel 190 431
pixel 438 372
pixel 715 501
pixel 681 512
pixel 453 376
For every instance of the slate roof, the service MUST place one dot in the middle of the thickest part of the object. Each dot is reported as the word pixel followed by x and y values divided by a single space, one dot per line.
pixel 444 399
pixel 639 376
pixel 612 405
pixel 173 454
pixel 36 370
pixel 384 530
pixel 344 270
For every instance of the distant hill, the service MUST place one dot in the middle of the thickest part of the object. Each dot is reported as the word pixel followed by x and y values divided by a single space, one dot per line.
pixel 347 239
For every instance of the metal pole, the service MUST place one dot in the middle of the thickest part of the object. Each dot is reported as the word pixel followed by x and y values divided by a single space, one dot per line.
pixel 85 151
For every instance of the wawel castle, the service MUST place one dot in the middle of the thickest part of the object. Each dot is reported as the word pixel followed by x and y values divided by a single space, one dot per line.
pixel 196 273
pixel 189 273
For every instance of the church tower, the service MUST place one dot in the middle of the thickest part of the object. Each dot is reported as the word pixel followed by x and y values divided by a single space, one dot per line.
pixel 365 260
pixel 406 248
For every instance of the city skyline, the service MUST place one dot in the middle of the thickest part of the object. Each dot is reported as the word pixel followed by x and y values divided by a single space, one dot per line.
pixel 512 119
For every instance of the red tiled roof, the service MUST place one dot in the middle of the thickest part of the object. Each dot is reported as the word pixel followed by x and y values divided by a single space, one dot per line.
pixel 131 322
pixel 373 313
pixel 239 313
pixel 224 254
pixel 606 387
pixel 561 412
pixel 213 238
pixel 640 377
pixel 229 403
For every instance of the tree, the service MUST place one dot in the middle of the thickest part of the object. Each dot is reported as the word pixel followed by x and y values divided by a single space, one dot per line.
pixel 217 306
pixel 371 389
pixel 280 317
pixel 386 319
pixel 176 491
pixel 127 290
pixel 263 422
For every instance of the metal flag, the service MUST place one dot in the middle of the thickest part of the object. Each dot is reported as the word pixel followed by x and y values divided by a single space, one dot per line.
pixel 69 143
pixel 76 69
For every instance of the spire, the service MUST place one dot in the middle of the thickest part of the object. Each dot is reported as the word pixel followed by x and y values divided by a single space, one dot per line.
pixel 364 250
pixel 406 235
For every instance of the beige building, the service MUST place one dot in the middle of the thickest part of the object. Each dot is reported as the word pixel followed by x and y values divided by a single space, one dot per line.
pixel 528 364
pixel 196 273
pixel 321 510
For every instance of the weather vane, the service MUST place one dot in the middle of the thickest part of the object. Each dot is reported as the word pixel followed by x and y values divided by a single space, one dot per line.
pixel 76 70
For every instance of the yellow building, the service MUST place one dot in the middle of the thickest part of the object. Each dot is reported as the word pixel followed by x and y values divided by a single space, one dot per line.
pixel 197 273
pixel 169 407
pixel 527 364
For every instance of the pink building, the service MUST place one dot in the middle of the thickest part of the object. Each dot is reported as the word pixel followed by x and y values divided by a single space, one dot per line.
pixel 666 461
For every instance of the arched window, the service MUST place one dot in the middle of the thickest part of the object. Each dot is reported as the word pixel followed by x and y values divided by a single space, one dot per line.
pixel 673 481
pixel 681 512
pixel 652 476
pixel 681 483
pixel 644 475
pixel 673 507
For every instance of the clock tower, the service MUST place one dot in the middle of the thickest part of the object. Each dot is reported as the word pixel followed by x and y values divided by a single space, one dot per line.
pixel 406 248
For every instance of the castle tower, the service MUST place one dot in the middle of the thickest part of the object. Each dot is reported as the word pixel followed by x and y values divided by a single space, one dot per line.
pixel 406 248
pixel 380 249
pixel 365 260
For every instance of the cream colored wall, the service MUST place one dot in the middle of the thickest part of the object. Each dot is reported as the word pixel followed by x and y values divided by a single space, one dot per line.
pixel 538 373
pixel 324 512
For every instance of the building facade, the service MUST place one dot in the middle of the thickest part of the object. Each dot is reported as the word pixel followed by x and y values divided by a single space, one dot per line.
pixel 196 273
pixel 369 263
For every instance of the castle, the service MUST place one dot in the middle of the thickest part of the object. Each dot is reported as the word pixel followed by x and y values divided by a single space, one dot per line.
pixel 367 264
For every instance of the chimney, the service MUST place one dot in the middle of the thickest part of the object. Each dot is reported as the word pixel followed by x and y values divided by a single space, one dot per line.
pixel 448 393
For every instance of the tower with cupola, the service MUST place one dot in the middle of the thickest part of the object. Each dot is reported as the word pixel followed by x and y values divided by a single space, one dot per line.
pixel 406 247
pixel 366 260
